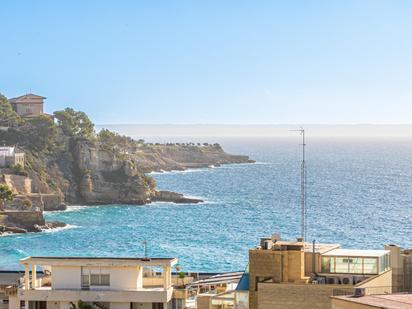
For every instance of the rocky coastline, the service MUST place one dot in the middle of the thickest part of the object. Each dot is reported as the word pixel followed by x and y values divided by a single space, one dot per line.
pixel 21 222
pixel 68 163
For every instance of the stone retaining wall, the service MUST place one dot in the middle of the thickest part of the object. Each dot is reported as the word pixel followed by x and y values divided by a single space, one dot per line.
pixel 25 219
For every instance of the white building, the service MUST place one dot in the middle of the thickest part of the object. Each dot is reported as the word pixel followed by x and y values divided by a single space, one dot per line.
pixel 104 283
pixel 11 156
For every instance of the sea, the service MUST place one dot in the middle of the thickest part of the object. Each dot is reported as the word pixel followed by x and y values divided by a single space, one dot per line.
pixel 359 195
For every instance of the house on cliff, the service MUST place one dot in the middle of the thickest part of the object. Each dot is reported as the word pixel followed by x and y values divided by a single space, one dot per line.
pixel 10 156
pixel 28 105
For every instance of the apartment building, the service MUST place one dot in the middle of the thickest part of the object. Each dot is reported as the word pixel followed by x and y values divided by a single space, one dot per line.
pixel 295 274
pixel 103 283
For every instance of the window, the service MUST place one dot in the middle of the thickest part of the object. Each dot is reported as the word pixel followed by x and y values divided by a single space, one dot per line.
pixel 355 265
pixel 94 277
pixel 342 265
pixel 105 279
pixel 157 305
pixel 328 265
pixel 177 303
pixel 384 263
pixel 370 265
pixel 85 280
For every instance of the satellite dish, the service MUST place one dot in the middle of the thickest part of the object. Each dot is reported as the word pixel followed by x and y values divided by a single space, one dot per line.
pixel 275 237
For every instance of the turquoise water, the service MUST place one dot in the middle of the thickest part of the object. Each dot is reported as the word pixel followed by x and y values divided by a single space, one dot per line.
pixel 360 195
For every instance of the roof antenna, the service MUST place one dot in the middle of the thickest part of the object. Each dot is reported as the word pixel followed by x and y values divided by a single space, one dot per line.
pixel 303 214
pixel 144 242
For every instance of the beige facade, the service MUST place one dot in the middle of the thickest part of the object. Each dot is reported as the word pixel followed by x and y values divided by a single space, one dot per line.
pixel 10 156
pixel 109 283
pixel 285 274
pixel 401 262
pixel 28 105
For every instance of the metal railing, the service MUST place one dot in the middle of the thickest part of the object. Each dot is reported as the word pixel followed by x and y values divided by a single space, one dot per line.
pixel 371 290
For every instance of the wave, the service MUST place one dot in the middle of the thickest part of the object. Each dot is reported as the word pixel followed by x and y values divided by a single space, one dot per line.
pixel 189 170
pixel 208 168
pixel 5 234
pixel 75 208
pixel 161 203
pixel 61 228
pixel 68 209
pixel 45 230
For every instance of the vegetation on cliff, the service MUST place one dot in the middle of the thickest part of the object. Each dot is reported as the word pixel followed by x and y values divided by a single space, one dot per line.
pixel 5 195
pixel 65 155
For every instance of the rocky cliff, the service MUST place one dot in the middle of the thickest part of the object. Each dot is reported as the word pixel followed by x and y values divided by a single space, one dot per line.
pixel 102 176
pixel 68 162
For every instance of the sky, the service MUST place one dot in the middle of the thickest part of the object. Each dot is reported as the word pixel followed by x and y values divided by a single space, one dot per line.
pixel 212 62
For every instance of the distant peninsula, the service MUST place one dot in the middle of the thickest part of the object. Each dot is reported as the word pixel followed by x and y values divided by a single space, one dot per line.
pixel 66 162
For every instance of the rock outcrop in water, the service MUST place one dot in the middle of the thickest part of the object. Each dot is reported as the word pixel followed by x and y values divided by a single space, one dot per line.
pixel 16 221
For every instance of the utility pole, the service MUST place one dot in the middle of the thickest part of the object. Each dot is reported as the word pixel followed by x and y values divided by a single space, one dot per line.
pixel 303 225
pixel 144 242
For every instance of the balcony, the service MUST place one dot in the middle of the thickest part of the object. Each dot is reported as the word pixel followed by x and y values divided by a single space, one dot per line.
pixel 155 294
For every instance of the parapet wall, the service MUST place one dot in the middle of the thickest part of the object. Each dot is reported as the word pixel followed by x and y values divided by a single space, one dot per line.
pixel 19 184
pixel 26 219
pixel 291 296
pixel 52 202
pixel 379 284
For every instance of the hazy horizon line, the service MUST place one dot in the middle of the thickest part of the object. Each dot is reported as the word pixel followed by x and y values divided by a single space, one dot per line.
pixel 256 124
pixel 259 130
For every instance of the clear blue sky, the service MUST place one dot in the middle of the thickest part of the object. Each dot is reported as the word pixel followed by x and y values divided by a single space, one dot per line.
pixel 212 61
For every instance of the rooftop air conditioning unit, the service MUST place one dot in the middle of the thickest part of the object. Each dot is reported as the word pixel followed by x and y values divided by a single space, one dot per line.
pixel 346 280
pixel 359 292
pixel 267 245
pixel 357 280
pixel 330 280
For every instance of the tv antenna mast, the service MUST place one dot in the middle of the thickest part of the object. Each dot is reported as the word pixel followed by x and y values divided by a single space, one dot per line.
pixel 303 209
pixel 144 242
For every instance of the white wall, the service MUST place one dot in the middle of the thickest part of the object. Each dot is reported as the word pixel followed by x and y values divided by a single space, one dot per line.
pixel 142 306
pixel 66 277
pixel 121 278
pixel 124 278
pixel 119 305
pixel 53 305
pixel 14 303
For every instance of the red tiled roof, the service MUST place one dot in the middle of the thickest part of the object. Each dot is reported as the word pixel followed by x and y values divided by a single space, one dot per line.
pixel 28 95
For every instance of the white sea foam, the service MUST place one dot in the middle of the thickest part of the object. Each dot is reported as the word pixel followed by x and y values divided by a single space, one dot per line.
pixel 75 208
pixel 46 230
pixel 189 170
pixel 157 173
pixel 161 203
pixel 7 234
pixel 259 163
pixel 22 252
pixel 61 228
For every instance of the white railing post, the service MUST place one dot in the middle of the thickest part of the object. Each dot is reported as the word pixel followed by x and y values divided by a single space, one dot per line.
pixel 26 277
pixel 33 277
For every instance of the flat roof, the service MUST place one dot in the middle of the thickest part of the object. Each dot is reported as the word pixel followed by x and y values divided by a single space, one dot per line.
pixel 91 261
pixel 392 301
pixel 320 248
pixel 232 277
pixel 356 253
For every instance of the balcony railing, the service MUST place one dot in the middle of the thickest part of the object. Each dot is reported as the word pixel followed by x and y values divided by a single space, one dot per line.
pixel 371 290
